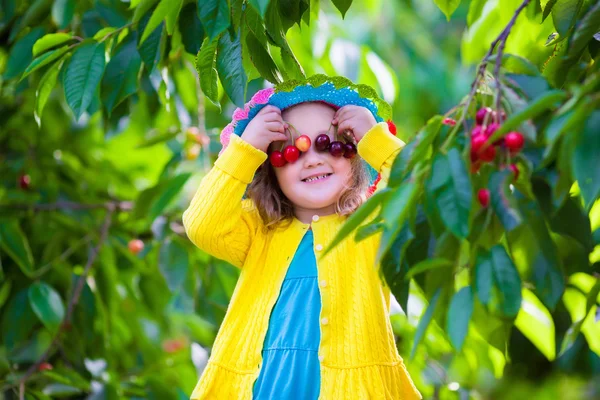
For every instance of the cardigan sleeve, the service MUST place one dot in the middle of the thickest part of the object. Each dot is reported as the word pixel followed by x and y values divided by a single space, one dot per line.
pixel 217 220
pixel 379 147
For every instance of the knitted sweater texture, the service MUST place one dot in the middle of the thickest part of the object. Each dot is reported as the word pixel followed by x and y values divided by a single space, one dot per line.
pixel 358 354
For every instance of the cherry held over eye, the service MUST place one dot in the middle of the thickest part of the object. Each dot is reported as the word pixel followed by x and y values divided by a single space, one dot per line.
pixel 322 142
pixel 349 150
pixel 336 149
pixel 277 160
pixel 303 143
pixel 291 153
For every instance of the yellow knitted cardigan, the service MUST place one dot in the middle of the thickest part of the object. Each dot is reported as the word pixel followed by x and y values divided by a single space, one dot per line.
pixel 358 354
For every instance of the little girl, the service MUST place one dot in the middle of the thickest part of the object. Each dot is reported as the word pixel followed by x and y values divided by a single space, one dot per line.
pixel 299 325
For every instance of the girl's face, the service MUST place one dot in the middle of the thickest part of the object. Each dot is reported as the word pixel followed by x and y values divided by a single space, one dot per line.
pixel 316 197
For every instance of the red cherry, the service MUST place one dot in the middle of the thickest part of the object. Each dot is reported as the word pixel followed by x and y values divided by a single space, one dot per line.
pixel 392 127
pixel 515 170
pixel 477 143
pixel 449 121
pixel 514 141
pixel 45 366
pixel 291 153
pixel 322 142
pixel 488 154
pixel 24 181
pixel 336 149
pixel 479 130
pixel 484 197
pixel 135 246
pixel 277 159
pixel 349 150
pixel 303 143
pixel 481 114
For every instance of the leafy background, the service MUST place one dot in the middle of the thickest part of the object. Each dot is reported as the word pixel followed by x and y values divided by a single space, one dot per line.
pixel 110 117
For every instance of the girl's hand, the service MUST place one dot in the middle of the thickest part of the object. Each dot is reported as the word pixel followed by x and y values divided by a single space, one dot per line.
pixel 266 127
pixel 356 119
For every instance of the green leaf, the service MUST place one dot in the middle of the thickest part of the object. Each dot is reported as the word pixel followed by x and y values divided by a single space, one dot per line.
pixel 168 192
pixel 173 263
pixel 342 5
pixel 503 201
pixel 21 54
pixel 192 31
pixel 164 10
pixel 447 6
pixel 564 14
pixel 357 218
pixel 84 72
pixel 428 265
pixel 18 320
pixel 585 30
pixel 398 203
pixel 152 49
pixel 44 89
pixel 585 160
pixel 547 7
pixel 496 270
pixel 47 305
pixel 62 12
pixel 535 108
pixel 475 9
pixel 230 68
pixel 262 59
pixel 49 41
pixel 276 33
pixel 575 328
pixel 450 188
pixel 206 65
pixel 45 59
pixel 535 254
pixel 15 244
pixel 214 15
pixel 425 321
pixel 261 6
pixel 459 315
pixel 120 78
pixel 415 151
pixel 536 324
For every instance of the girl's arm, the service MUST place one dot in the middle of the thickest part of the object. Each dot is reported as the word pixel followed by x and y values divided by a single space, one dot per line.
pixel 217 220
pixel 379 147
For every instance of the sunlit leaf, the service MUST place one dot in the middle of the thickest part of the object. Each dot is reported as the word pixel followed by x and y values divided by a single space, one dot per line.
pixel 206 65
pixel 49 41
pixel 535 322
pixel 447 6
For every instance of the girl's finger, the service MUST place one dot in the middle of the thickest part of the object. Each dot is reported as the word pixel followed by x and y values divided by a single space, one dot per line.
pixel 275 126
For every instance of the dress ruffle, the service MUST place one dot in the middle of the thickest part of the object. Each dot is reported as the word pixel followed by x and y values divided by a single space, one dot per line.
pixel 369 382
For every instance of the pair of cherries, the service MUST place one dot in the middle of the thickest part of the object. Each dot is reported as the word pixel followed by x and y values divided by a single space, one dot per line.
pixel 291 153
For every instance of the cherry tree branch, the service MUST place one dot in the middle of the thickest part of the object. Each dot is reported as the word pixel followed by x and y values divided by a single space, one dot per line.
pixel 481 73
pixel 75 297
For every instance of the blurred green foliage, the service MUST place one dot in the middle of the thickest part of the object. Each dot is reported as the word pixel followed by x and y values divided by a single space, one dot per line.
pixel 110 116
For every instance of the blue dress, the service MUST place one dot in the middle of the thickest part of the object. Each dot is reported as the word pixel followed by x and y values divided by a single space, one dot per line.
pixel 290 367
